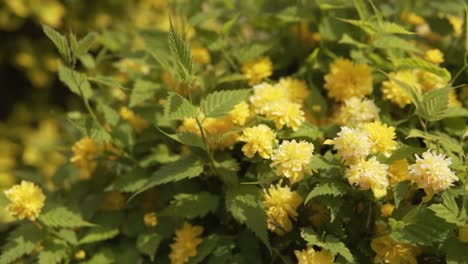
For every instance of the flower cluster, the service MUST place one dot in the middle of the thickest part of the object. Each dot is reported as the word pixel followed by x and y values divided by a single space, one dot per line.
pixel 389 251
pixel 309 255
pixel 185 243
pixel 281 205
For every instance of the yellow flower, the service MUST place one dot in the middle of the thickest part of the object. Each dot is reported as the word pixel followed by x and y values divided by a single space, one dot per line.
pixel 258 139
pixel 201 55
pixel 393 92
pixel 346 79
pixel 265 95
pixel 257 70
pixel 240 113
pixel 286 114
pixel 310 256
pixel 412 18
pixel 432 172
pixel 26 200
pixel 355 111
pixel 85 152
pixel 383 137
pixel 352 144
pixel 429 80
pixel 387 210
pixel 150 219
pixel 80 254
pixel 138 123
pixel 434 56
pixel 291 159
pixel 457 24
pixel 453 100
pixel 389 251
pixel 398 171
pixel 297 89
pixel 369 174
pixel 281 204
pixel 113 201
pixel 185 244
pixel 51 13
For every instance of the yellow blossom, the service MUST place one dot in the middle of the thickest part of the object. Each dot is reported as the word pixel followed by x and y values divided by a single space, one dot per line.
pixel 429 81
pixel 286 114
pixel 355 111
pixel 185 244
pixel 150 219
pixel 257 70
pixel 383 137
pixel 258 139
pixel 369 174
pixel 352 144
pixel 457 24
pixel 432 172
pixel 389 251
pixel 291 159
pixel 240 113
pixel 281 204
pixel 297 89
pixel 453 100
pixel 434 56
pixel 138 123
pixel 200 55
pixel 392 90
pixel 398 171
pixel 26 200
pixel 412 18
pixel 310 256
pixel 387 210
pixel 265 95
pixel 85 152
pixel 80 255
pixel 346 79
pixel 113 201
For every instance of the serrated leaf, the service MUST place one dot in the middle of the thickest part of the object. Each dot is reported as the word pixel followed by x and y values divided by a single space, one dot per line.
pixel 331 188
pixel 434 104
pixel 393 28
pixel 229 24
pixel 400 191
pixel 253 51
pixel 59 216
pixel 417 63
pixel 181 51
pixel 52 253
pixel 60 43
pixel 107 81
pixel 445 213
pixel 102 257
pixel 361 8
pixel 191 205
pixel 186 138
pixel 219 103
pixel 148 244
pixel 75 81
pixel 85 44
pixel 178 108
pixel 392 42
pixel 243 203
pixel 204 249
pixel 184 168
pixel 327 242
pixel 21 241
pixel 142 90
pixel 109 114
pixel 97 234
pixel 413 92
pixel 130 181
pixel 346 39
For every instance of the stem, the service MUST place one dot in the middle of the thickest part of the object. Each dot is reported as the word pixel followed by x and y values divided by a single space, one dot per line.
pixel 207 149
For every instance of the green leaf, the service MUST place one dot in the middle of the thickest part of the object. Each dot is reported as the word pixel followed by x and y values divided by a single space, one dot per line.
pixel 434 104
pixel 327 242
pixel 59 216
pixel 332 188
pixel 103 257
pixel 393 28
pixel 191 205
pixel 148 244
pixel 110 115
pixel 306 131
pixel 229 24
pixel 346 39
pixel 186 138
pixel 75 81
pixel 142 90
pixel 361 8
pixel 253 51
pixel 21 241
pixel 184 168
pixel 181 51
pixel 98 234
pixel 52 253
pixel 455 112
pixel 449 210
pixel 456 251
pixel 243 203
pixel 392 42
pixel 85 44
pixel 400 191
pixel 107 81
pixel 178 108
pixel 130 181
pixel 219 103
pixel 417 63
pixel 413 92
pixel 60 43
pixel 204 249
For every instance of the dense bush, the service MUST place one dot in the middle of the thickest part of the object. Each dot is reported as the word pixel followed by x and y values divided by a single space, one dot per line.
pixel 227 131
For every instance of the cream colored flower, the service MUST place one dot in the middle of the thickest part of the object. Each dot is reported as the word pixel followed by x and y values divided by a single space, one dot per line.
pixel 369 174
pixel 291 159
pixel 258 139
pixel 352 144
pixel 356 111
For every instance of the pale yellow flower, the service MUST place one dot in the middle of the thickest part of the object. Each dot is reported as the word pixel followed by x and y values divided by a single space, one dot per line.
pixel 369 174
pixel 257 70
pixel 291 159
pixel 265 95
pixel 383 137
pixel 185 244
pixel 346 79
pixel 258 139
pixel 26 200
pixel 398 171
pixel 352 144
pixel 281 204
pixel 355 111
pixel 200 55
pixel 297 89
pixel 138 123
pixel 286 114
pixel 457 24
pixel 310 256
pixel 392 91
pixel 432 172
pixel 434 55
pixel 389 251
pixel 240 114
pixel 85 154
